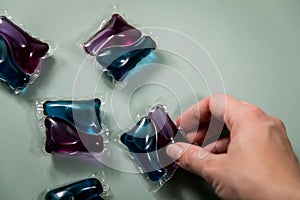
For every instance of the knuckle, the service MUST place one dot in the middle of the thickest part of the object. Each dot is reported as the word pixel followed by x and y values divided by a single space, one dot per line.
pixel 279 123
pixel 276 126
pixel 255 110
pixel 272 124
pixel 219 95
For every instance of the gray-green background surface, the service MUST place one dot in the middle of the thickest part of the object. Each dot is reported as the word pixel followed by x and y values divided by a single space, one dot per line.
pixel 255 45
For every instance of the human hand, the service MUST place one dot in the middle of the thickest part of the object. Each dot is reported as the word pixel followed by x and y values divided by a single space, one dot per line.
pixel 255 162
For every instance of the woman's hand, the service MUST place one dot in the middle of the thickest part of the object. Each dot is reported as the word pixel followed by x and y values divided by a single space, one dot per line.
pixel 255 162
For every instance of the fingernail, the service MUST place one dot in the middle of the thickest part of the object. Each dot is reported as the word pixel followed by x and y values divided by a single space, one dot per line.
pixel 174 151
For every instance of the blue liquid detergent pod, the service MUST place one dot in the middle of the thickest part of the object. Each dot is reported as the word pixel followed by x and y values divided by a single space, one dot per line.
pixel 20 55
pixel 119 47
pixel 88 189
pixel 73 126
pixel 82 114
pixel 10 72
pixel 147 141
pixel 120 60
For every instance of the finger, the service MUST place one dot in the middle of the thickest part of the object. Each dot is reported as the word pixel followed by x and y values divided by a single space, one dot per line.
pixel 220 146
pixel 222 107
pixel 198 135
pixel 205 136
pixel 194 159
pixel 190 118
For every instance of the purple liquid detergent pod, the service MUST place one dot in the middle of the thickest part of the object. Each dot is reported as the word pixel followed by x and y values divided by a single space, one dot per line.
pixel 73 126
pixel 147 141
pixel 119 47
pixel 20 54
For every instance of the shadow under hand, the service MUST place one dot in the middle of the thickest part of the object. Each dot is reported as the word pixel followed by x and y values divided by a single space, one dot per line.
pixel 185 185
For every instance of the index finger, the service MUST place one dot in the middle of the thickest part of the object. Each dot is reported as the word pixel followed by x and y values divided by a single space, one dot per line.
pixel 220 106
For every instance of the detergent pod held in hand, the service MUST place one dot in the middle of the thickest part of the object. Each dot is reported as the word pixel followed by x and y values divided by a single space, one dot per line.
pixel 146 143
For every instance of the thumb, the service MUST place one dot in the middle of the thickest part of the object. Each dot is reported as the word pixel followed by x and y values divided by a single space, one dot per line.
pixel 194 159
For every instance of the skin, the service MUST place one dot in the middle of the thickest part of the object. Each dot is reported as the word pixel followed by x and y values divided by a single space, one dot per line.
pixel 255 162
